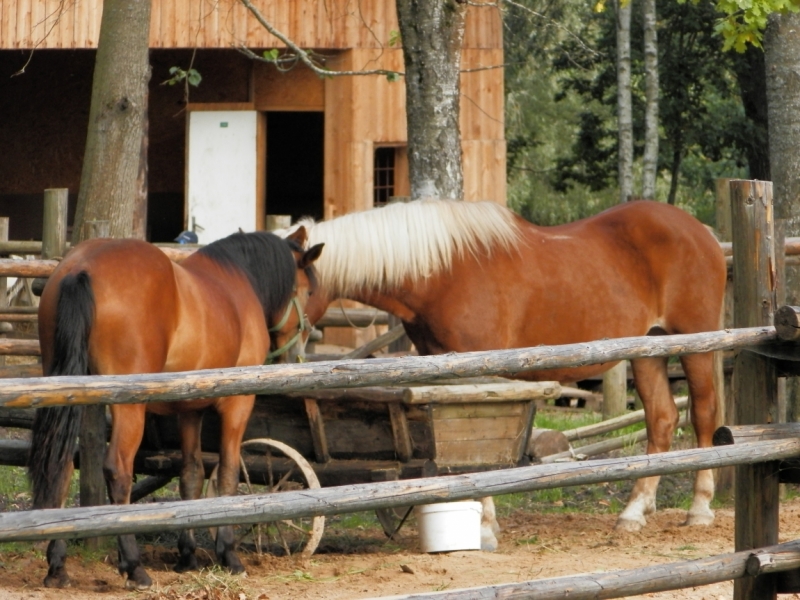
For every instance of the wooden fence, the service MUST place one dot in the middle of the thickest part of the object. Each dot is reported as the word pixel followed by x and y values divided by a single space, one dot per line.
pixel 761 358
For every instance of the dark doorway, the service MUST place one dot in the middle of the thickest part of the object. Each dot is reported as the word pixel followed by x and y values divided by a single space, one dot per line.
pixel 295 142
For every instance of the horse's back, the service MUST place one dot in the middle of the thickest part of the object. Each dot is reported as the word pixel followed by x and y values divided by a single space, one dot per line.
pixel 217 304
pixel 673 258
pixel 632 268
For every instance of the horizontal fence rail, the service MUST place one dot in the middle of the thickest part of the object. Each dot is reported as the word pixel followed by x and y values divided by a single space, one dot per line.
pixel 235 510
pixel 629 582
pixel 279 379
pixel 10 267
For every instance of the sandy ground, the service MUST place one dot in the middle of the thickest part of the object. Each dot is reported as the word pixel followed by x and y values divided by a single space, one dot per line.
pixel 367 565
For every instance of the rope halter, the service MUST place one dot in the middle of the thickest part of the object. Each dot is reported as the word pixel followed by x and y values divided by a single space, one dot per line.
pixel 301 327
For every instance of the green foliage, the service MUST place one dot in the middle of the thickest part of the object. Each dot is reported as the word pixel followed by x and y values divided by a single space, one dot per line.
pixel 745 20
pixel 561 125
pixel 190 76
pixel 394 38
pixel 271 55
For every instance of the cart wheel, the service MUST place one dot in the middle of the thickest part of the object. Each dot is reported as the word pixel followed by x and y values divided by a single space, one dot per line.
pixel 297 536
pixel 392 519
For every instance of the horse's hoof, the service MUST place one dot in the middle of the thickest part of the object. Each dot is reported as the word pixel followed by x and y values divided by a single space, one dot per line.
pixel 231 562
pixel 630 525
pixel 138 580
pixel 704 518
pixel 60 580
pixel 186 564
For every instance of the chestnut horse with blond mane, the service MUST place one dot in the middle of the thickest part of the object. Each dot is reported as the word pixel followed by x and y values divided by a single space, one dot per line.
pixel 120 306
pixel 466 276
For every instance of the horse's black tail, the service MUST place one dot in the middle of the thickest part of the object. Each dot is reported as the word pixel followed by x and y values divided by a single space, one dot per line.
pixel 55 430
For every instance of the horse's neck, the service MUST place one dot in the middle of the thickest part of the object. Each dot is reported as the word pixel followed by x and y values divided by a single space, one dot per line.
pixel 386 302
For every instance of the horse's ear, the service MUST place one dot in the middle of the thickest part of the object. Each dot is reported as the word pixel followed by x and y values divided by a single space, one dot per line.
pixel 310 255
pixel 299 236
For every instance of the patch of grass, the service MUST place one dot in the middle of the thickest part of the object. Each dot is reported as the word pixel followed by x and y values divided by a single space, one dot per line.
pixel 214 583
pixel 562 421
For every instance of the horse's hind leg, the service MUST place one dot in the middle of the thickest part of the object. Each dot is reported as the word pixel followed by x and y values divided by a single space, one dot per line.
pixel 126 435
pixel 57 549
pixel 234 413
pixel 661 417
pixel 192 476
pixel 699 369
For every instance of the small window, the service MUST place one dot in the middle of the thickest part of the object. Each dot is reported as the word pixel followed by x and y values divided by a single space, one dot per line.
pixel 384 176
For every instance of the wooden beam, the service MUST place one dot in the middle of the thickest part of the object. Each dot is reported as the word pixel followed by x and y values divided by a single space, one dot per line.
pixel 70 523
pixel 606 446
pixel 628 582
pixel 603 427
pixel 738 434
pixel 349 317
pixel 400 432
pixel 379 343
pixel 787 323
pixel 482 392
pixel 316 426
pixel 285 378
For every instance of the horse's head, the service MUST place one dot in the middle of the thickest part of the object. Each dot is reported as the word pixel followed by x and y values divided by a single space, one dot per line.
pixel 289 335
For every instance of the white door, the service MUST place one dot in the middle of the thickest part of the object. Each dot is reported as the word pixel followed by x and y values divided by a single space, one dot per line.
pixel 222 183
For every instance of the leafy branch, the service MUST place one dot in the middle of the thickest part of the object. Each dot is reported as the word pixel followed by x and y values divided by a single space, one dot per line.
pixel 295 54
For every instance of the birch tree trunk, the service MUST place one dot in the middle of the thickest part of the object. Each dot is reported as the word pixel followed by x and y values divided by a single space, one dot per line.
pixel 650 160
pixel 624 108
pixel 432 32
pixel 782 57
pixel 110 180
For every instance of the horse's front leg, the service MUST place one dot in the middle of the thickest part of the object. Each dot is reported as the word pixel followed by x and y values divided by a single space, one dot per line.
pixel 234 413
pixel 489 525
pixel 191 486
pixel 126 435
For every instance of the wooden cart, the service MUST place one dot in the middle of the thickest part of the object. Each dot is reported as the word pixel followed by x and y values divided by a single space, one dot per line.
pixel 360 435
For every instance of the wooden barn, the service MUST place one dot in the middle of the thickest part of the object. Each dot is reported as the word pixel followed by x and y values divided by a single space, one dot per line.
pixel 251 140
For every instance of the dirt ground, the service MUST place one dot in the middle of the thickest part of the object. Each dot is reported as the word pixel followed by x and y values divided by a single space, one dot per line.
pixel 367 565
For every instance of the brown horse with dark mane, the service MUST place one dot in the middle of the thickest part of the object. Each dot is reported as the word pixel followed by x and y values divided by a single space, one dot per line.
pixel 466 276
pixel 120 306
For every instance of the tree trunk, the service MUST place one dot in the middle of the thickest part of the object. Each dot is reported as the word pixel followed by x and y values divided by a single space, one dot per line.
pixel 751 74
pixel 782 58
pixel 650 161
pixel 624 108
pixel 432 32
pixel 675 173
pixel 111 165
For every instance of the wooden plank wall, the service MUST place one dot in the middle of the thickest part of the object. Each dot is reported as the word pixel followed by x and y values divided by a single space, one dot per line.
pixel 362 112
pixel 209 24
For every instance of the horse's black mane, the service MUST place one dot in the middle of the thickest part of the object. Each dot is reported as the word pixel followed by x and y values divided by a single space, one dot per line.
pixel 265 258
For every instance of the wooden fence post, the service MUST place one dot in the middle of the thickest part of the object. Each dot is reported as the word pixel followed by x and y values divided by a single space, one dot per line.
pixel 93 427
pixel 754 378
pixel 615 390
pixel 54 223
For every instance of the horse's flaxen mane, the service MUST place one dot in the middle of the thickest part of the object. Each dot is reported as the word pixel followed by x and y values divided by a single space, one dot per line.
pixel 267 261
pixel 380 248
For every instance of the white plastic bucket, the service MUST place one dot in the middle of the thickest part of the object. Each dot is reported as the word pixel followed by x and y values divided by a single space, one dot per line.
pixel 449 526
